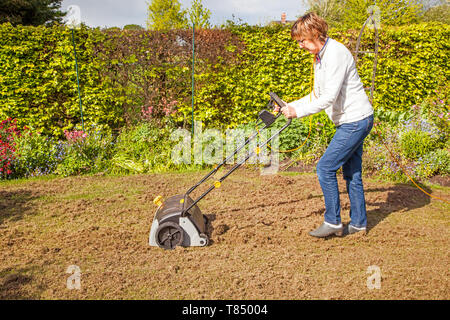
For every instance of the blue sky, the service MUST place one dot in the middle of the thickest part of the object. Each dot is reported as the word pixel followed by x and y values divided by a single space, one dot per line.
pixel 110 13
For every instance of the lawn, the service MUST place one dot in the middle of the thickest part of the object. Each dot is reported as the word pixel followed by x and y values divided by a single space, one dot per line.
pixel 259 248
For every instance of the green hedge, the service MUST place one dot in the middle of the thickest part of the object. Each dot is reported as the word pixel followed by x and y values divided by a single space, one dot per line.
pixel 38 79
pixel 38 83
pixel 412 62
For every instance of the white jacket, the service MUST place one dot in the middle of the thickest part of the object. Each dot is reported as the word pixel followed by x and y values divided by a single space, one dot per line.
pixel 338 88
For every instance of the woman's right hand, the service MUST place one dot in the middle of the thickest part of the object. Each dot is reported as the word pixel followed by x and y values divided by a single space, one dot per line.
pixel 277 107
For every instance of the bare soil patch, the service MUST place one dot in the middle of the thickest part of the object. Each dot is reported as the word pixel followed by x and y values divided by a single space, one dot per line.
pixel 441 180
pixel 260 247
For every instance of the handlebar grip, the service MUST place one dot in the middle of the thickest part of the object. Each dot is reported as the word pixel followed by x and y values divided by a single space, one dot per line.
pixel 277 99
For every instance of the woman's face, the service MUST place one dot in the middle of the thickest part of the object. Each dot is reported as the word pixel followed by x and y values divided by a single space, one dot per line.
pixel 311 45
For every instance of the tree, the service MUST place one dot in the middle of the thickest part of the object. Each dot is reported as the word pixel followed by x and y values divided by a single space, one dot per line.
pixel 353 13
pixel 166 15
pixel 132 27
pixel 31 12
pixel 327 9
pixel 199 15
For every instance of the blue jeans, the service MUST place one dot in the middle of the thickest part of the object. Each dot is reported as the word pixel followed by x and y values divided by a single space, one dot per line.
pixel 345 150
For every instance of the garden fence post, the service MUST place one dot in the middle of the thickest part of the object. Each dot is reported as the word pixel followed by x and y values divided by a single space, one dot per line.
pixel 78 80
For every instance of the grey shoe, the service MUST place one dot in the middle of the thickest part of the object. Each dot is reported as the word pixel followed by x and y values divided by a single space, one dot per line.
pixel 349 229
pixel 326 230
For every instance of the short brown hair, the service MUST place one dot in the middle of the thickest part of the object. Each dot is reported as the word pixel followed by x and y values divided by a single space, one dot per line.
pixel 309 26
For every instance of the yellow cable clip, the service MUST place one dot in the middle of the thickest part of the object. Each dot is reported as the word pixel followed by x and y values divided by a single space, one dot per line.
pixel 182 200
pixel 158 200
pixel 217 184
pixel 257 150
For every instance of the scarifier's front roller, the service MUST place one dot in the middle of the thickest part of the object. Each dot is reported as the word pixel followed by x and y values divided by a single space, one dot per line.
pixel 178 220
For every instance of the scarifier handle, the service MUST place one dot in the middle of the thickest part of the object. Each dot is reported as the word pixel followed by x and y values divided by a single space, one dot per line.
pixel 281 104
pixel 277 99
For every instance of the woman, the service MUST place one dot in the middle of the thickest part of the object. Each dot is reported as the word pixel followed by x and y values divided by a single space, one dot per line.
pixel 339 91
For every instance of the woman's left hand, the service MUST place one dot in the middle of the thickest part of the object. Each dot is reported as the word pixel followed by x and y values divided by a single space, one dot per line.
pixel 289 112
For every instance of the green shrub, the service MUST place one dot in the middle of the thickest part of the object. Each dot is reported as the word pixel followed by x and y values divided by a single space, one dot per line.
pixel 36 154
pixel 416 144
pixel 435 162
pixel 86 152
pixel 142 148
pixel 382 154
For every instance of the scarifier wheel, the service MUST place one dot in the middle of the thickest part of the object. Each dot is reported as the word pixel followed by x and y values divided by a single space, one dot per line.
pixel 169 235
pixel 204 239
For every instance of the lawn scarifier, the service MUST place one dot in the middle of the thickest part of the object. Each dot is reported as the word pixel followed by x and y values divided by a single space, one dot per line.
pixel 178 221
